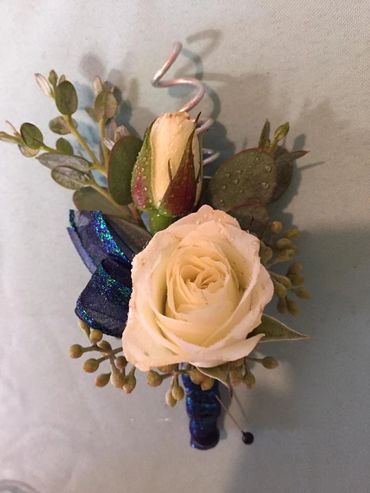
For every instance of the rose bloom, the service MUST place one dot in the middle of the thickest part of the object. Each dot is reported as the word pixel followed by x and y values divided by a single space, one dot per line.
pixel 199 289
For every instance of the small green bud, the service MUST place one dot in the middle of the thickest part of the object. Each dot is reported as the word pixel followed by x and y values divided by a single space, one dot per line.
pixel 177 391
pixel 207 383
pixel 269 362
pixel 170 400
pixel 117 379
pixel 121 362
pixel 292 233
pixel 154 379
pixel 295 269
pixel 91 365
pixel 249 379
pixel 285 281
pixel 76 351
pixel 303 293
pixel 280 289
pixel 282 306
pixel 130 382
pixel 105 346
pixel 102 380
pixel 297 280
pixel 283 244
pixel 293 307
pixel 96 336
pixel 265 253
pixel 276 227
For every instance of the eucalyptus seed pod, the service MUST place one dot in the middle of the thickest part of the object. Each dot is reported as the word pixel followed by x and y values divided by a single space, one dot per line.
pixel 121 362
pixel 249 379
pixel 76 351
pixel 130 382
pixel 154 379
pixel 170 400
pixel 293 307
pixel 196 376
pixel 102 380
pixel 117 379
pixel 207 383
pixel 104 346
pixel 269 362
pixel 235 376
pixel 177 391
pixel 302 292
pixel 96 336
pixel 91 365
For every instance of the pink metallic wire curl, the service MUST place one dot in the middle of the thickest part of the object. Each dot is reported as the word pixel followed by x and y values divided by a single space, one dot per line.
pixel 189 81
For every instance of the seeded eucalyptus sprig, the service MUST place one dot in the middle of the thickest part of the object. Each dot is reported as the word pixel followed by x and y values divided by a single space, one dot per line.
pixel 118 149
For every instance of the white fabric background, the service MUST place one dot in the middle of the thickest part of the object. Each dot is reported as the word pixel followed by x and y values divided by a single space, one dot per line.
pixel 306 62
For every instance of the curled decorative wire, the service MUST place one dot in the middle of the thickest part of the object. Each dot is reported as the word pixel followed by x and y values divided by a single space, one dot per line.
pixel 189 81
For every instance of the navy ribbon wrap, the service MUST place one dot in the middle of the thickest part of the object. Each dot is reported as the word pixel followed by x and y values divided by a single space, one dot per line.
pixel 107 246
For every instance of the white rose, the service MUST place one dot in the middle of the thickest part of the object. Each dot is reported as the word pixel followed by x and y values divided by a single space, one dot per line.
pixel 199 289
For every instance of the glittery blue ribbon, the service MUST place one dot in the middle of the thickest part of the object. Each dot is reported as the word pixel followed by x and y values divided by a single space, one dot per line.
pixel 103 304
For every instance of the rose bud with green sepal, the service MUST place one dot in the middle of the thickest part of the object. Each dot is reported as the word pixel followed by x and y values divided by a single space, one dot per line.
pixel 166 179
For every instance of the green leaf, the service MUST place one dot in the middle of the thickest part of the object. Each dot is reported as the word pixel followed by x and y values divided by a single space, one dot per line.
pixel 63 146
pixel 31 136
pixel 69 177
pixel 52 160
pixel 66 98
pixel 105 106
pixel 252 217
pixel 284 161
pixel 275 330
pixel 249 175
pixel 53 78
pixel 219 373
pixel 59 126
pixel 265 136
pixel 121 163
pixel 27 151
pixel 88 199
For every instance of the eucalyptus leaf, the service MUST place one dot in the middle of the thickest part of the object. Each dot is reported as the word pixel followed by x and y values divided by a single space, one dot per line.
pixel 253 217
pixel 52 160
pixel 275 330
pixel 88 199
pixel 249 175
pixel 219 373
pixel 70 178
pixel 63 146
pixel 59 126
pixel 66 98
pixel 284 161
pixel 105 106
pixel 121 163
pixel 27 151
pixel 31 135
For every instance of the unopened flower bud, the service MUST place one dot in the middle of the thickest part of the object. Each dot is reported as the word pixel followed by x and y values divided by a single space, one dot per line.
pixel 293 307
pixel 292 233
pixel 295 269
pixel 280 289
pixel 167 173
pixel 76 351
pixel 269 362
pixel 102 380
pixel 283 244
pixel 96 336
pixel 303 293
pixel 282 306
pixel 177 391
pixel 170 400
pixel 84 326
pixel 235 377
pixel 154 379
pixel 91 365
pixel 104 346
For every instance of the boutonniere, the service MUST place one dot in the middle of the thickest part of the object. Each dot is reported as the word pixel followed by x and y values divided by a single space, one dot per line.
pixel 182 261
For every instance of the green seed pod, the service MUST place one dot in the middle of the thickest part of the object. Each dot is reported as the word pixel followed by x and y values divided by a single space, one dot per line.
pixel 121 362
pixel 105 346
pixel 91 365
pixel 303 293
pixel 207 383
pixel 170 400
pixel 154 379
pixel 276 227
pixel 76 351
pixel 96 336
pixel 269 362
pixel 177 391
pixel 102 380
pixel 117 379
pixel 249 379
pixel 293 307
pixel 130 383
pixel 283 244
pixel 292 233
pixel 282 306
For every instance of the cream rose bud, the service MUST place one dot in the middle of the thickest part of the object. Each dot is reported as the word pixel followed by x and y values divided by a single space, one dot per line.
pixel 166 175
pixel 199 289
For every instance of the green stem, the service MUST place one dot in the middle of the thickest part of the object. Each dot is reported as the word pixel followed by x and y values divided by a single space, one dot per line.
pixel 73 129
pixel 102 137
